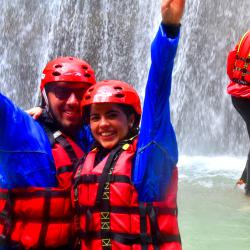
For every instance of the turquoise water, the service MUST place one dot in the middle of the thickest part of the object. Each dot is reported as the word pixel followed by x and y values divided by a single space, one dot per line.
pixel 213 213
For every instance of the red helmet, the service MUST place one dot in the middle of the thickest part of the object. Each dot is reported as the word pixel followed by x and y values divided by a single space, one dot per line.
pixel 67 69
pixel 238 61
pixel 113 91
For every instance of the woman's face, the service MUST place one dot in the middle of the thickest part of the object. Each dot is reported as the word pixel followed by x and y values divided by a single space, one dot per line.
pixel 109 124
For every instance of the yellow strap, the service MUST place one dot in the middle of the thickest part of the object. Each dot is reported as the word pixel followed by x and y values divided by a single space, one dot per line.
pixel 241 40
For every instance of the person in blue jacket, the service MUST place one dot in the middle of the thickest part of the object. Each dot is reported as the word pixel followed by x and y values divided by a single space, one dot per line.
pixel 125 188
pixel 37 158
pixel 25 145
pixel 157 144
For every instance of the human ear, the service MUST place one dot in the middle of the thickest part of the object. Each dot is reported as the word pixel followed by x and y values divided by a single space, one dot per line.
pixel 131 121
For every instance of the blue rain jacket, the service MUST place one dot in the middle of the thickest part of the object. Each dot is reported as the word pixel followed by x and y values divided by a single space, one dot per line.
pixel 157 151
pixel 25 151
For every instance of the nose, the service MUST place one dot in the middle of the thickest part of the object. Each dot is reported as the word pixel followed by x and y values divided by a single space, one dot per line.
pixel 103 122
pixel 73 99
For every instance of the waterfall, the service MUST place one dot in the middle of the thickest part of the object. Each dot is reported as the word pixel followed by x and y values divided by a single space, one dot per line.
pixel 204 118
pixel 114 36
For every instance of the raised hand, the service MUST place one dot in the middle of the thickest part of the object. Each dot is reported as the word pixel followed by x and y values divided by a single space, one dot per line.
pixel 172 11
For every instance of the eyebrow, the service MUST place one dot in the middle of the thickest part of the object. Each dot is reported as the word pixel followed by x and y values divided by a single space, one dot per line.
pixel 108 112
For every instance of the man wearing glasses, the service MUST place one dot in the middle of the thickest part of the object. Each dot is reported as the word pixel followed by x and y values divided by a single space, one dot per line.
pixel 33 183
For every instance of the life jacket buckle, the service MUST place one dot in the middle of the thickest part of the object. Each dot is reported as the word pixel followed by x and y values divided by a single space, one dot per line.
pixel 106 242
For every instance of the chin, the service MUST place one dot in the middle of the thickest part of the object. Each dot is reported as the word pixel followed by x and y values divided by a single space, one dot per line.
pixel 72 128
pixel 108 146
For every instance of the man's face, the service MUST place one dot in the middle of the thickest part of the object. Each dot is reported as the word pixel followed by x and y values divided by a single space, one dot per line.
pixel 65 104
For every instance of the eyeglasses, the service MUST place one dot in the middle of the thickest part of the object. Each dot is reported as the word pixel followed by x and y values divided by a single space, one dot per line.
pixel 63 93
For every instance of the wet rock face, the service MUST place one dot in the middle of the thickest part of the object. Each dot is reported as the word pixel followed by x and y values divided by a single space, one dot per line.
pixel 114 36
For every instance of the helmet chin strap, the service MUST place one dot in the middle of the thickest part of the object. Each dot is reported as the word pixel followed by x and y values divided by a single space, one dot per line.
pixel 46 100
pixel 47 108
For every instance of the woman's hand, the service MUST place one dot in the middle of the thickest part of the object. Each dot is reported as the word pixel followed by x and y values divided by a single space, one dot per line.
pixel 172 11
pixel 35 112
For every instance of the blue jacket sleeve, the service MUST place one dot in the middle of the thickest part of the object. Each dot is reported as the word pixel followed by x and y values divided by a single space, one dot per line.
pixel 25 152
pixel 86 139
pixel 157 151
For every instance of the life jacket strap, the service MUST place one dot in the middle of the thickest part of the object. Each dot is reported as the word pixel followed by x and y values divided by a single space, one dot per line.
pixel 128 239
pixel 113 157
pixel 61 139
pixel 126 210
pixel 87 179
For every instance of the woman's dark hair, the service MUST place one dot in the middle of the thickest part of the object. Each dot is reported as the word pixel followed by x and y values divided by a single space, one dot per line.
pixel 128 110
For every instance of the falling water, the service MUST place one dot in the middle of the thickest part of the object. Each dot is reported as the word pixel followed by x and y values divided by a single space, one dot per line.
pixel 204 118
pixel 114 36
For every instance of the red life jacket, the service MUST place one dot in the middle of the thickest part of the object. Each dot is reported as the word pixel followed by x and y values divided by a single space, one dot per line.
pixel 108 213
pixel 4 213
pixel 238 90
pixel 238 68
pixel 42 217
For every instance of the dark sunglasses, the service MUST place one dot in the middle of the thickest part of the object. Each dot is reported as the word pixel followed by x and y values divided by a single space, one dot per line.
pixel 63 93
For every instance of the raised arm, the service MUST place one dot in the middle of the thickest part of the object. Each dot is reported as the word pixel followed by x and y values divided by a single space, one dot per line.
pixel 157 148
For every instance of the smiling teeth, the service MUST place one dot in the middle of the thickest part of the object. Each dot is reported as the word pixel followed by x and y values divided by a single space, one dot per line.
pixel 70 112
pixel 106 134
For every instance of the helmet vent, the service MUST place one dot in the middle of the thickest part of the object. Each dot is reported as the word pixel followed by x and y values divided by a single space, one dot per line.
pixel 58 66
pixel 87 97
pixel 90 90
pixel 71 58
pixel 120 95
pixel 85 67
pixel 87 75
pixel 118 88
pixel 55 73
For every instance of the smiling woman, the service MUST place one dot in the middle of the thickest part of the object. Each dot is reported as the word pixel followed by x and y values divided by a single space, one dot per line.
pixel 110 213
pixel 124 192
pixel 114 110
